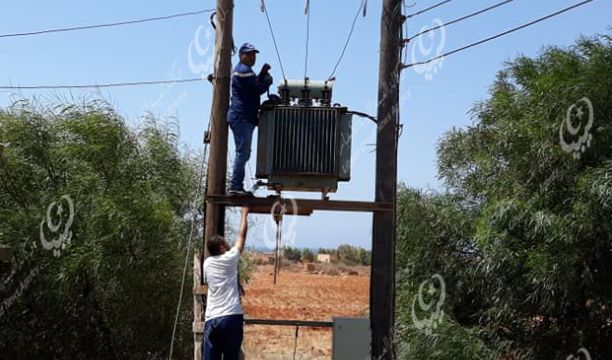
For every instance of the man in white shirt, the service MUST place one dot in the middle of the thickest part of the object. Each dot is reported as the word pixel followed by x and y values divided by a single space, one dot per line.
pixel 223 329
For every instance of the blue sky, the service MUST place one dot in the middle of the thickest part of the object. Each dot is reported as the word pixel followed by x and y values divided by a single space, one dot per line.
pixel 430 105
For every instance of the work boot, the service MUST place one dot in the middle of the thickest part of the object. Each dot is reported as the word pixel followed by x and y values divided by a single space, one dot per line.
pixel 239 192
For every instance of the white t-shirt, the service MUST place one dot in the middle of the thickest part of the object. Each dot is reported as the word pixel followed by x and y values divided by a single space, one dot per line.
pixel 221 274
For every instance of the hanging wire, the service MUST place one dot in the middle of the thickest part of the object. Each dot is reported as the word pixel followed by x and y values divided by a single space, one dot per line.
pixel 461 18
pixel 307 9
pixel 202 174
pixel 348 38
pixel 96 86
pixel 264 9
pixel 500 34
pixel 85 27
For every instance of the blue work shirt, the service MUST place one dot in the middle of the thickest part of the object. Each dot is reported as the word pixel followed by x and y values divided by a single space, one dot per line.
pixel 247 88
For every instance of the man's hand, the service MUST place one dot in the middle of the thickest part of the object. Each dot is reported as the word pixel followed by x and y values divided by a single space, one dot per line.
pixel 265 68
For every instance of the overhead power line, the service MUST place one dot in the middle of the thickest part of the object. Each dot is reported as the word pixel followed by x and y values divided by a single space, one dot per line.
pixel 95 86
pixel 429 8
pixel 348 38
pixel 500 34
pixel 461 18
pixel 307 38
pixel 95 26
pixel 264 9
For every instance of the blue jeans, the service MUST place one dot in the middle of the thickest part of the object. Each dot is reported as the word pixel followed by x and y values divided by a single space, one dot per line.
pixel 222 338
pixel 243 135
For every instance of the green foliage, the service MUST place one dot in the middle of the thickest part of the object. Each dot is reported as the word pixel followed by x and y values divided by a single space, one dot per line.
pixel 308 255
pixel 112 292
pixel 290 253
pixel 351 255
pixel 523 238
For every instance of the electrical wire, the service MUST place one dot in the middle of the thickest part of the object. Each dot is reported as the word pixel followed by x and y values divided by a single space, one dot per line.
pixel 86 27
pixel 95 86
pixel 500 34
pixel 429 8
pixel 461 18
pixel 348 39
pixel 202 175
pixel 264 8
pixel 307 39
pixel 362 114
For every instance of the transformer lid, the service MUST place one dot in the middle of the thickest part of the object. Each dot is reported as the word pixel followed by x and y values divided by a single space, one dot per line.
pixel 306 88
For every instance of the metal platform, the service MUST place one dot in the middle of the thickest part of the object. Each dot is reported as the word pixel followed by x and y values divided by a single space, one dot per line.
pixel 261 205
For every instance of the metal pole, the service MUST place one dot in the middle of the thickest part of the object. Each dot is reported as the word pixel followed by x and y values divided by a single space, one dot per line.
pixel 382 288
pixel 217 161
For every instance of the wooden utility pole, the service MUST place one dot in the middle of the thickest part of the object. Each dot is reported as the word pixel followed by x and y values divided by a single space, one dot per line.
pixel 217 161
pixel 215 214
pixel 382 288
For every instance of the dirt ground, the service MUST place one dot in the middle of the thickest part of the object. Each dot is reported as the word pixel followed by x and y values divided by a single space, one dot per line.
pixel 299 295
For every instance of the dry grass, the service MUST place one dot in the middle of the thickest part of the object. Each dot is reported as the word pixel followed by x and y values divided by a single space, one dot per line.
pixel 299 295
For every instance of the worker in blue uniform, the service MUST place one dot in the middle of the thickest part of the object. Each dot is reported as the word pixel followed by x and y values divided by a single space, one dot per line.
pixel 247 88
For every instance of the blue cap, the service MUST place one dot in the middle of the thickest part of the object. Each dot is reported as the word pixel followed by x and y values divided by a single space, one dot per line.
pixel 246 47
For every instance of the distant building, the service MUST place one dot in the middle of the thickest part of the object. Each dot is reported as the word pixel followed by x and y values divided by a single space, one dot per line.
pixel 325 258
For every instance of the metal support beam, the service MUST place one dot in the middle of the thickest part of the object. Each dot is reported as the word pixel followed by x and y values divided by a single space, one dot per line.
pixel 302 206
pixel 303 323
pixel 382 289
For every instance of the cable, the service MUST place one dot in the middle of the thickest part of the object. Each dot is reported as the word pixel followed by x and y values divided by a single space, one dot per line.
pixel 91 86
pixel 429 8
pixel 85 27
pixel 188 251
pixel 264 8
pixel 362 114
pixel 348 39
pixel 461 18
pixel 307 39
pixel 500 34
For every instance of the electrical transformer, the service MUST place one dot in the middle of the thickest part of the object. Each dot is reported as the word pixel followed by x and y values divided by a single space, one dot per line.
pixel 304 143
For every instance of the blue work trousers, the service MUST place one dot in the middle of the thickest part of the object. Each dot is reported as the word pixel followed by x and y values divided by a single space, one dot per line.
pixel 223 338
pixel 243 135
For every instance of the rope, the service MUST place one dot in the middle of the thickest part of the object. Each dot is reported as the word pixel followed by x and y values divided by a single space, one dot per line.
pixel 307 38
pixel 297 329
pixel 279 233
pixel 188 251
pixel 461 18
pixel 500 34
pixel 264 9
pixel 348 39
pixel 130 22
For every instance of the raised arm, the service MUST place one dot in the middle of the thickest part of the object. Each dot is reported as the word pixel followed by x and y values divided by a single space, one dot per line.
pixel 242 231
